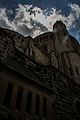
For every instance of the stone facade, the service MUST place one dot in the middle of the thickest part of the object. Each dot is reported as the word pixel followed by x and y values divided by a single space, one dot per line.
pixel 39 78
pixel 64 50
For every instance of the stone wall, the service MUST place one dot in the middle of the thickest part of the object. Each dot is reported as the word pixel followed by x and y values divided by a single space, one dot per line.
pixel 60 91
pixel 25 45
pixel 19 81
pixel 66 93
pixel 21 69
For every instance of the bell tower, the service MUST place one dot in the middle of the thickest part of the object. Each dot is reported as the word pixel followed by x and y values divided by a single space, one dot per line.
pixel 59 29
pixel 60 35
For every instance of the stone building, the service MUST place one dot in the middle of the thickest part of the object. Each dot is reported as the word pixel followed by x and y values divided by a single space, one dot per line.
pixel 40 77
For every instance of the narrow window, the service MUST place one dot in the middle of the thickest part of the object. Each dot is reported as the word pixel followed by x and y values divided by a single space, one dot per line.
pixel 37 106
pixel 77 105
pixel 68 46
pixel 44 47
pixel 29 101
pixel 52 106
pixel 27 51
pixel 45 71
pixel 77 71
pixel 19 98
pixel 40 39
pixel 36 40
pixel 33 54
pixel 44 38
pixel 71 71
pixel 47 37
pixel 45 107
pixel 8 94
pixel 50 36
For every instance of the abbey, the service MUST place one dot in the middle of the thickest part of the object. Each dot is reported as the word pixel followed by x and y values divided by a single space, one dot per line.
pixel 40 77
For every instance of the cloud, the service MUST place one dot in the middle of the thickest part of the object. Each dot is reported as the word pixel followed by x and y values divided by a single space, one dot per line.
pixel 33 21
pixel 74 15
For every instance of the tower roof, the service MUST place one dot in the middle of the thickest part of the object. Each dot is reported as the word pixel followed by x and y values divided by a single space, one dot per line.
pixel 59 23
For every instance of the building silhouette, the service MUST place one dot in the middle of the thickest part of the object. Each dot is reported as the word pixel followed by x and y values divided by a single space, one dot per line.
pixel 40 77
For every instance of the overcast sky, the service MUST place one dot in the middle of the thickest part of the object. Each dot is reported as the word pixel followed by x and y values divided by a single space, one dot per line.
pixel 34 17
